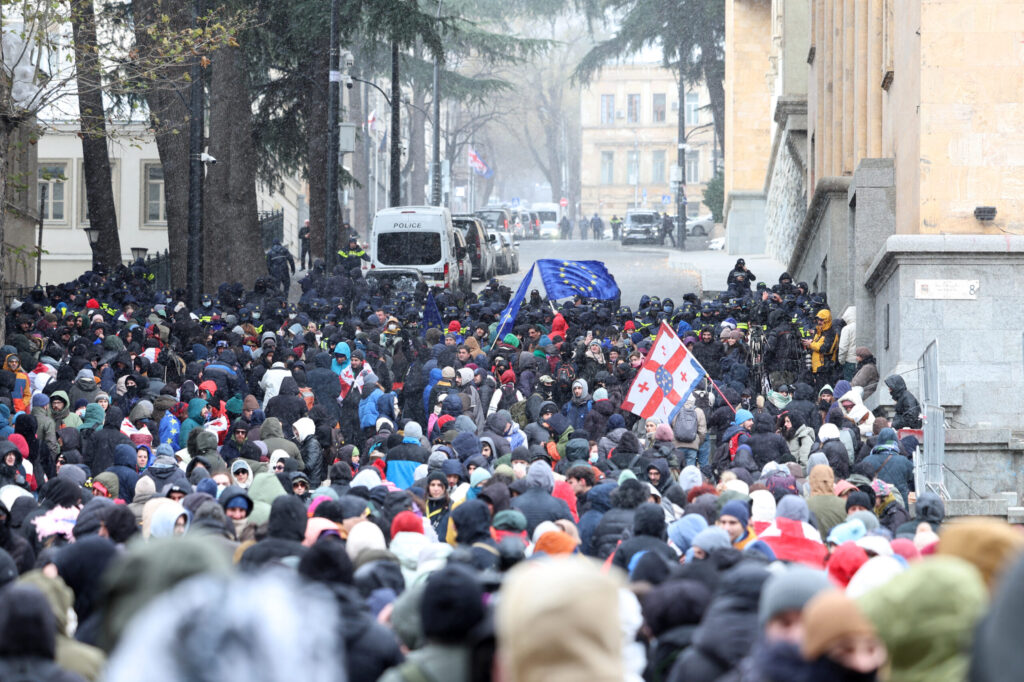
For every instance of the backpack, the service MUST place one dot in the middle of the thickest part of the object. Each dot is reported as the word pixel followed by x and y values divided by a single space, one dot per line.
pixel 725 453
pixel 508 396
pixel 566 374
pixel 519 416
pixel 684 427
pixel 306 394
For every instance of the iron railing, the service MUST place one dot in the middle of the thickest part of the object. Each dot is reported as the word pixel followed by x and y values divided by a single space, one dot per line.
pixel 929 466
pixel 271 227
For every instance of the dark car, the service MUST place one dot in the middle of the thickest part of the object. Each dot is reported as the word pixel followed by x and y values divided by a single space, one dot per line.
pixel 498 219
pixel 641 226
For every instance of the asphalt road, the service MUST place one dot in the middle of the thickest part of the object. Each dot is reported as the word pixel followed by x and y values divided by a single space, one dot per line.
pixel 637 269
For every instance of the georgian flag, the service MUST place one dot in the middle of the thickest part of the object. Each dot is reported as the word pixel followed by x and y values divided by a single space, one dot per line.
pixel 665 380
pixel 349 381
pixel 478 165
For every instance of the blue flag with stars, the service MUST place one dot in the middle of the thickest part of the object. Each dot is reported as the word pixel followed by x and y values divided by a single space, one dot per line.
pixel 568 278
pixel 508 315
pixel 431 315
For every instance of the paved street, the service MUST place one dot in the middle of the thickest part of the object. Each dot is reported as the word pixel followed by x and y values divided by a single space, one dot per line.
pixel 651 270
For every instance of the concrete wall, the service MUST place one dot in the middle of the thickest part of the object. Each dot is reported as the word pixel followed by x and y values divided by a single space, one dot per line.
pixel 786 191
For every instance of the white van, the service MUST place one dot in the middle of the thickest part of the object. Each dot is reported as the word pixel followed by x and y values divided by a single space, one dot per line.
pixel 549 215
pixel 422 238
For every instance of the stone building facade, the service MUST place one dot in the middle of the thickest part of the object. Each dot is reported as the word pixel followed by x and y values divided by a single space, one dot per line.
pixel 911 119
pixel 629 127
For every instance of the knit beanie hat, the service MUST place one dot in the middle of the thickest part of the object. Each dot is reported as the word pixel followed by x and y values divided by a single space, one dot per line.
pixel 789 591
pixel 663 433
pixel 406 522
pixel 828 617
pixel 858 499
pixel 711 538
pixel 452 604
pixel 738 510
pixel 40 400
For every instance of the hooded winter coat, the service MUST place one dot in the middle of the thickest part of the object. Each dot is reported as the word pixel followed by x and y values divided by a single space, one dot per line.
pixel 908 410
pixel 287 405
pixel 495 427
pixel 648 536
pixel 537 503
pixel 619 519
pixel 125 463
pixel 472 522
pixel 195 419
pixel 888 463
pixel 99 448
pixel 800 439
pixel 28 643
pixel 599 501
pixel 325 386
pixel 577 408
pixel 285 532
pixel 165 472
pixel 596 421
pixel 272 434
pixel 728 629
pixel 310 451
pixel 828 509
pixel 803 404
pixel 765 444
pixel 85 386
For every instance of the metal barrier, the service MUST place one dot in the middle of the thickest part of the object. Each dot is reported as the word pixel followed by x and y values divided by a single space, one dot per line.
pixel 271 227
pixel 159 266
pixel 929 466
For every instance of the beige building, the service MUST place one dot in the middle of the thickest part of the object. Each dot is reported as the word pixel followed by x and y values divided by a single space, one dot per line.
pixel 876 147
pixel 629 123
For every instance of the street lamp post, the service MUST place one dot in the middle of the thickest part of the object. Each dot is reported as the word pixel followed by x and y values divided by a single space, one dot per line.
pixel 138 253
pixel 195 176
pixel 681 161
pixel 93 233
pixel 435 161
pixel 395 193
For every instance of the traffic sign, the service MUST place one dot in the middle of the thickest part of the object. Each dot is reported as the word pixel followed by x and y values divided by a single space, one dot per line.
pixel 666 199
pixel 563 202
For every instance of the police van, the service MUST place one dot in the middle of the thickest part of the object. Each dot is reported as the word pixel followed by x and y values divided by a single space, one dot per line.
pixel 421 238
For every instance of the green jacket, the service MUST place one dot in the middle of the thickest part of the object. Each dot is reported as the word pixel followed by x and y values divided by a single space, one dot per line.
pixel 432 663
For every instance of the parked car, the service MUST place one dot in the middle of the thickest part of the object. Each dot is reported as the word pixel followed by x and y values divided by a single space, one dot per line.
pixel 641 226
pixel 506 251
pixel 480 251
pixel 525 226
pixel 498 219
pixel 535 221
pixel 700 226
pixel 465 263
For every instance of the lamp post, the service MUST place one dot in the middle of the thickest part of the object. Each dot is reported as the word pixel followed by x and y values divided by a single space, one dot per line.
pixel 139 253
pixel 435 161
pixel 93 233
pixel 195 176
pixel 395 191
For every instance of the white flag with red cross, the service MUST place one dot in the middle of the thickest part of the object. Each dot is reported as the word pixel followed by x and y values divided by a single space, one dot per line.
pixel 665 380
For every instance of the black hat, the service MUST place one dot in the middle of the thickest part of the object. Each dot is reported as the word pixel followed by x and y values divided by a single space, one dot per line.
pixel 452 604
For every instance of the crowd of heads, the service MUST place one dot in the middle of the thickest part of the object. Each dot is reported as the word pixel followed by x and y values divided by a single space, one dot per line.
pixel 197 486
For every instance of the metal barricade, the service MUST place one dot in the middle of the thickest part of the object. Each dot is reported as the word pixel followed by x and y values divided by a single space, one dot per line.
pixel 929 465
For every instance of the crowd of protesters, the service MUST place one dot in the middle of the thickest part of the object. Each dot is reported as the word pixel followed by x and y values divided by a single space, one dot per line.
pixel 265 490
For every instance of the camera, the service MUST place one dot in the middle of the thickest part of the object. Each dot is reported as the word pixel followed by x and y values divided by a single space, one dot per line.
pixel 349 82
pixel 206 158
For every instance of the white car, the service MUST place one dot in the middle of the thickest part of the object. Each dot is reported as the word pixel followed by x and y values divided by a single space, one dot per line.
pixel 506 251
pixel 700 226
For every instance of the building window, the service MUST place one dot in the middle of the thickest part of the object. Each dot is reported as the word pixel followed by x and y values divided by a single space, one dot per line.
pixel 53 177
pixel 607 110
pixel 693 167
pixel 153 204
pixel 632 108
pixel 83 199
pixel 658 108
pixel 693 209
pixel 692 108
pixel 632 168
pixel 658 166
pixel 607 168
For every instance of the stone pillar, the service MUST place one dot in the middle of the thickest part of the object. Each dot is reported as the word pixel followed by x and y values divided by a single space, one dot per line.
pixel 872 197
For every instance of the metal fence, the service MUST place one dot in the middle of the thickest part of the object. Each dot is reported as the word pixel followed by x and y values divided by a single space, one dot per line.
pixel 271 227
pixel 929 467
pixel 159 265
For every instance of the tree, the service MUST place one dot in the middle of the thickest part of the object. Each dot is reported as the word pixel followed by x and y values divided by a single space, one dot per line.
pixel 99 189
pixel 714 196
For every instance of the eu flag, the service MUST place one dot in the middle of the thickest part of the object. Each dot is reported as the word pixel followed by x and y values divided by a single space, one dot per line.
pixel 567 278
pixel 431 315
pixel 508 315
